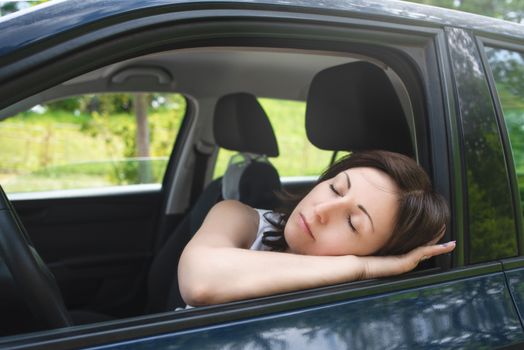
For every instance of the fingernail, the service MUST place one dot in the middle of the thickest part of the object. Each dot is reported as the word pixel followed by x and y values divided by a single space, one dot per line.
pixel 448 243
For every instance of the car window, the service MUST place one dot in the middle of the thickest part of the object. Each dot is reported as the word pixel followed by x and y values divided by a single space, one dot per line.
pixel 490 231
pixel 508 72
pixel 89 141
pixel 298 157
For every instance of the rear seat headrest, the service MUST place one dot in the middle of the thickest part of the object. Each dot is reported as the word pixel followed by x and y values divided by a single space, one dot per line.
pixel 240 124
pixel 354 107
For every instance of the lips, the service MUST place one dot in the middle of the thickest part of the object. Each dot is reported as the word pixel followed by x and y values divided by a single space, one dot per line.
pixel 305 226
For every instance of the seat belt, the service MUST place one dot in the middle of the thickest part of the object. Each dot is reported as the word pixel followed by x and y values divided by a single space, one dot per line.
pixel 203 150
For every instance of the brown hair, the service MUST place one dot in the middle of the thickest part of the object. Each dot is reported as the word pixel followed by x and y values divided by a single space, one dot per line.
pixel 422 213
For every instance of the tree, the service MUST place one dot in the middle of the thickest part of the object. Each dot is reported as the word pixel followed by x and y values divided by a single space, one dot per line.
pixel 510 10
pixel 7 7
pixel 142 137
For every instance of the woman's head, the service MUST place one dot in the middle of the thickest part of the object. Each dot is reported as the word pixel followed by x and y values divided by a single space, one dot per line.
pixel 373 202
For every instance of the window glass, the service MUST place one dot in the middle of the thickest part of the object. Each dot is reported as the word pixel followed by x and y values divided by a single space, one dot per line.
pixel 508 71
pixel 490 225
pixel 89 141
pixel 298 157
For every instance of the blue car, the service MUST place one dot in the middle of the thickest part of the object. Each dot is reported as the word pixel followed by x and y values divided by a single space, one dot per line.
pixel 245 99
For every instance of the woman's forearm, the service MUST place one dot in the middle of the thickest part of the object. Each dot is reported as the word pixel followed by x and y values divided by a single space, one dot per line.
pixel 212 275
pixel 228 274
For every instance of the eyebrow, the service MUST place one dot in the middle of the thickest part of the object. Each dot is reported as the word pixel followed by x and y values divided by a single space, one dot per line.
pixel 360 206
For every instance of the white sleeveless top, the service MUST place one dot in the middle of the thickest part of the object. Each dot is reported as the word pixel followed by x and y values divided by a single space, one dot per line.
pixel 263 226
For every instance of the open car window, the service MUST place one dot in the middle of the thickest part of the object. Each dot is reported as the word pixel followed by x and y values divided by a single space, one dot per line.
pixel 90 141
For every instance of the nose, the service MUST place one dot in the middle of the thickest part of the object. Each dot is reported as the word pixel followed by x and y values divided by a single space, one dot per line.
pixel 325 210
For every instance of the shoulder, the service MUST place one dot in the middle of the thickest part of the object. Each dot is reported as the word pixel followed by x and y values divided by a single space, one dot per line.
pixel 232 204
pixel 232 208
pixel 233 219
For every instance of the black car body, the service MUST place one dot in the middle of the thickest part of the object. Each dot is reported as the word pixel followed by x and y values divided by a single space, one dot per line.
pixel 449 69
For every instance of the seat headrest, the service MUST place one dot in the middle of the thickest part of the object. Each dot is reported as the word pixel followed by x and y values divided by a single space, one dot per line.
pixel 354 107
pixel 240 124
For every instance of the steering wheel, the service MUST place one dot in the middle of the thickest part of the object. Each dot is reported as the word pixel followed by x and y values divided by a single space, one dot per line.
pixel 31 275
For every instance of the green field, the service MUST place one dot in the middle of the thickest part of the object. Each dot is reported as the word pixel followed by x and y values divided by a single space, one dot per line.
pixel 62 150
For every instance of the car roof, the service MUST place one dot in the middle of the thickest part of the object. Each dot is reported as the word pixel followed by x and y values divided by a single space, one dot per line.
pixel 264 72
pixel 260 72
pixel 51 19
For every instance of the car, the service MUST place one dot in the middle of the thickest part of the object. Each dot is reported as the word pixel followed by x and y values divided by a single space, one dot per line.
pixel 92 264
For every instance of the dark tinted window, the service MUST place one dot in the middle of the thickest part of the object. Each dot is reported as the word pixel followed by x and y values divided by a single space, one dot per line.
pixel 508 72
pixel 491 224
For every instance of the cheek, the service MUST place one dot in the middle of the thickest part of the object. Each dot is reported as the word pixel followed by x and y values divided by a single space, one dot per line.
pixel 335 243
pixel 348 244
pixel 294 238
pixel 370 246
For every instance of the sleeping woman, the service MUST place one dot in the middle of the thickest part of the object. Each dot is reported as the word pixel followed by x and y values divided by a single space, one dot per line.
pixel 371 214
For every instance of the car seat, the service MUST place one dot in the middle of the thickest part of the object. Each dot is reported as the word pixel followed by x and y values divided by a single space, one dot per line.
pixel 239 124
pixel 354 107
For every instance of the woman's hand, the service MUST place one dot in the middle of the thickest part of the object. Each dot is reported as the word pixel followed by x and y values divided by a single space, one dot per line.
pixel 382 266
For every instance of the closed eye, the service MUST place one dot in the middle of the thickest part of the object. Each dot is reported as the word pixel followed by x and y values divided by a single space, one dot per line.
pixel 335 190
pixel 351 225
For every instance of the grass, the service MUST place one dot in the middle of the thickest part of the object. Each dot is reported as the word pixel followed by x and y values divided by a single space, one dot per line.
pixel 88 175
pixel 61 150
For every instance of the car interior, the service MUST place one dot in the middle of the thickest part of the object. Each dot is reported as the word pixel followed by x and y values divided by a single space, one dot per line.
pixel 110 256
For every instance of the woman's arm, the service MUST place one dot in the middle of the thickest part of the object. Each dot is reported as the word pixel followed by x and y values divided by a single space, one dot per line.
pixel 217 267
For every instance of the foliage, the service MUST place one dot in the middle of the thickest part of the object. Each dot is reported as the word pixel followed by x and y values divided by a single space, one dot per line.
pixel 490 211
pixel 510 10
pixel 7 7
pixel 508 72
pixel 95 144
pixel 42 146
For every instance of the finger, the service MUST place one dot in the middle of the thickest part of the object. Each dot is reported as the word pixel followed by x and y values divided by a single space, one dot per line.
pixel 394 265
pixel 426 252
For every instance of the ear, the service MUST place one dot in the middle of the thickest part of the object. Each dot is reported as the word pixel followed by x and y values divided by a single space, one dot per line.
pixel 438 237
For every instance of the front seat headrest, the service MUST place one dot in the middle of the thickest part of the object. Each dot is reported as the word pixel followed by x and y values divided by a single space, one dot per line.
pixel 354 107
pixel 240 124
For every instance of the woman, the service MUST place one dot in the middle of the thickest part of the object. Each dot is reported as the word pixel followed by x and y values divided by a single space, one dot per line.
pixel 371 214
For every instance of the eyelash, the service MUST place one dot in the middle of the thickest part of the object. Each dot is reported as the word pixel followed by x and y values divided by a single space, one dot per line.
pixel 340 195
pixel 335 190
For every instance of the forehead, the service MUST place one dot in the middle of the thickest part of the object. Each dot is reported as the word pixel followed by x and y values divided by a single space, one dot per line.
pixel 370 178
